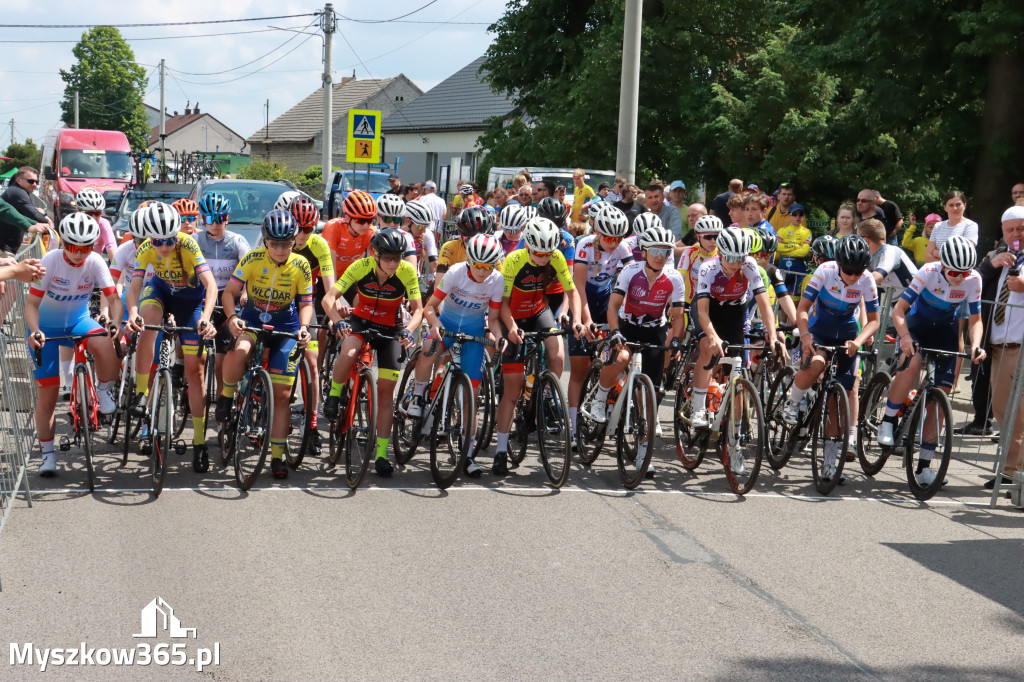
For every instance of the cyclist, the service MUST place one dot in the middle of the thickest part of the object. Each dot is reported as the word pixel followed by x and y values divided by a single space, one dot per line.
pixel 189 212
pixel 599 257
pixel 58 305
pixel 707 228
pixel 123 264
pixel 725 285
pixel 349 236
pixel 223 251
pixel 382 281
pixel 471 222
pixel 464 296
pixel 466 198
pixel 641 224
pixel 926 314
pixel 182 286
pixel 823 250
pixel 524 307
pixel 416 220
pixel 275 280
pixel 284 201
pixel 827 315
pixel 391 213
pixel 91 202
pixel 777 281
pixel 556 210
pixel 513 218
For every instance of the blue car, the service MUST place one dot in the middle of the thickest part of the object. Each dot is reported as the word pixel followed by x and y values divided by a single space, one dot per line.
pixel 345 181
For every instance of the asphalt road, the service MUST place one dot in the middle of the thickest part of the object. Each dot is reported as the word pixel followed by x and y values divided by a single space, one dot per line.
pixel 509 579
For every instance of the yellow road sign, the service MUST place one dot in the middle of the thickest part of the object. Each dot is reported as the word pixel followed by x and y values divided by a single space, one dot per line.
pixel 363 136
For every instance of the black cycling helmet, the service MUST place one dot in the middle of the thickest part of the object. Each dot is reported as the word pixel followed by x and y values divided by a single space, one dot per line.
pixel 280 224
pixel 474 220
pixel 553 209
pixel 853 254
pixel 388 240
pixel 769 242
pixel 824 247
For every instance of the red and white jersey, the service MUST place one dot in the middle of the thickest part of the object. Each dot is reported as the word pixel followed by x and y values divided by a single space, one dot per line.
pixel 646 302
pixel 465 300
pixel 740 289
pixel 66 288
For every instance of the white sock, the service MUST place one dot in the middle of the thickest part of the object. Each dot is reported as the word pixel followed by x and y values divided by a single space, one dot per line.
pixel 601 395
pixel 700 399
pixel 573 411
pixel 104 385
pixel 502 442
pixel 796 394
pixel 65 369
pixel 853 434
pixel 419 388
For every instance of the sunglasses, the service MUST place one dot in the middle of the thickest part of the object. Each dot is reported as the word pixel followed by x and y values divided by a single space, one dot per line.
pixel 851 274
pixel 732 259
pixel 958 273
pixel 76 249
pixel 211 219
pixel 483 266
pixel 798 214
pixel 306 229
pixel 31 182
pixel 164 242
pixel 762 254
pixel 709 237
pixel 189 218
pixel 659 253
pixel 360 221
pixel 541 254
pixel 611 240
pixel 280 244
pixel 387 220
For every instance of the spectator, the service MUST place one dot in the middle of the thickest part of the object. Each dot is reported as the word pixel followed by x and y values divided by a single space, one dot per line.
pixel 629 205
pixel 581 195
pixel 693 212
pixel 603 191
pixel 870 204
pixel 1002 283
pixel 846 220
pixel 1017 194
pixel 543 188
pixel 436 204
pixel 720 204
pixel 395 183
pixel 918 246
pixel 677 195
pixel 521 178
pixel 671 218
pixel 19 194
pixel 27 271
pixel 735 208
pixel 14 226
pixel 955 224
pixel 794 245
pixel 616 192
pixel 466 197
pixel 890 265
pixel 778 215
pixel 754 205
pixel 525 196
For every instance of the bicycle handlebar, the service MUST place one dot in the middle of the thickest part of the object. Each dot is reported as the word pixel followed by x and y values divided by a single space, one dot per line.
pixel 466 338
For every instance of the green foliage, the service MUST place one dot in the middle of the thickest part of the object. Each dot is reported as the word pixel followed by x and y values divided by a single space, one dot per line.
pixel 261 169
pixel 22 154
pixel 110 86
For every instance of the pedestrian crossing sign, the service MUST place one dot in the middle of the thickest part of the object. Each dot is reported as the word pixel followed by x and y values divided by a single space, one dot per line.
pixel 363 136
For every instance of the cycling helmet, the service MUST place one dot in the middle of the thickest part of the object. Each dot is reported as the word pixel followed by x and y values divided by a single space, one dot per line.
pixel 657 236
pixel 733 242
pixel 214 204
pixel 611 222
pixel 530 212
pixel 483 248
pixel 958 254
pixel 280 224
pixel 644 222
pixel 708 224
pixel 505 217
pixel 540 234
pixel 418 212
pixel 824 247
pixel 755 239
pixel 853 254
pixel 161 221
pixel 390 206
pixel 518 218
pixel 553 209
pixel 136 225
pixel 360 205
pixel 305 212
pixel 466 189
pixel 186 207
pixel 388 240
pixel 769 242
pixel 80 229
pixel 90 199
pixel 284 202
pixel 474 220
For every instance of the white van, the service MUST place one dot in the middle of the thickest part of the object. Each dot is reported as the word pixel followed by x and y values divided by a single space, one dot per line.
pixel 501 176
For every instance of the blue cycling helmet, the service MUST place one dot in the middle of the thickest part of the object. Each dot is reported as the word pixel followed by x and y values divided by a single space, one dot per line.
pixel 280 224
pixel 214 203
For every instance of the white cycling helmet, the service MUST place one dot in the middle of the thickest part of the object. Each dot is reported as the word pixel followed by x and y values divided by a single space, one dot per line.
pixel 644 222
pixel 284 202
pixel 733 242
pixel 611 222
pixel 135 224
pixel 466 189
pixel 80 229
pixel 540 234
pixel 958 253
pixel 390 206
pixel 708 224
pixel 506 215
pixel 519 219
pixel 90 199
pixel 418 212
pixel 161 221
pixel 657 236
pixel 483 248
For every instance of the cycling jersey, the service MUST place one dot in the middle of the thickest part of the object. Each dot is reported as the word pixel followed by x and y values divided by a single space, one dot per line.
pixel 935 300
pixel 378 302
pixel 452 251
pixel 690 261
pixel 646 302
pixel 425 247
pixel 179 272
pixel 465 300
pixel 525 282
pixel 66 288
pixel 601 267
pixel 318 254
pixel 738 290
pixel 508 245
pixel 568 250
pixel 124 262
pixel 894 265
pixel 223 254
pixel 346 248
pixel 273 288
pixel 834 313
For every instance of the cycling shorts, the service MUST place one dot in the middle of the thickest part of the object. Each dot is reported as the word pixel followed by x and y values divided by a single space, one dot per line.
pixel 652 361
pixel 223 341
pixel 729 322
pixel 941 337
pixel 279 348
pixel 472 353
pixel 389 351
pixel 512 362
pixel 847 368
pixel 579 348
pixel 186 310
pixel 48 371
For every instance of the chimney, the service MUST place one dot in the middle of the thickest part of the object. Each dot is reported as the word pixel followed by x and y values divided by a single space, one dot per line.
pixel 346 79
pixel 188 111
pixel 195 109
pixel 175 114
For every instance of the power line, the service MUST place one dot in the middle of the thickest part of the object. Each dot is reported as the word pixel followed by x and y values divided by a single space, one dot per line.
pixel 130 40
pixel 384 21
pixel 242 66
pixel 166 23
pixel 108 105
pixel 246 75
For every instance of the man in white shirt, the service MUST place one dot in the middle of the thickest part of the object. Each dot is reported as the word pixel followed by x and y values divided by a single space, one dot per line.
pixel 436 204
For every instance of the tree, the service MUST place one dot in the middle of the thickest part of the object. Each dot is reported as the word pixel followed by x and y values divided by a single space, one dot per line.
pixel 25 154
pixel 110 86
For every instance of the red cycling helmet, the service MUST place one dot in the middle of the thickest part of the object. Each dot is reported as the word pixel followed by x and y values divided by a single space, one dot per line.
pixel 306 214
pixel 360 205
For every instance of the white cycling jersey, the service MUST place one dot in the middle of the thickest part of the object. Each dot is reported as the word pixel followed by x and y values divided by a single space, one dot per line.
pixel 934 300
pixel 465 301
pixel 601 265
pixel 66 288
pixel 740 289
pixel 834 311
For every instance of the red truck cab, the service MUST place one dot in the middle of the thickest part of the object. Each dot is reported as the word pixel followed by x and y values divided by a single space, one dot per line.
pixel 76 158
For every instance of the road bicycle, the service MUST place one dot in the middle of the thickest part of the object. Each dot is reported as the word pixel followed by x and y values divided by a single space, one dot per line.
pixel 633 414
pixel 448 415
pixel 303 436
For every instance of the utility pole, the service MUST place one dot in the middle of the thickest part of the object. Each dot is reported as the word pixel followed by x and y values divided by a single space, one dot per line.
pixel 76 108
pixel 163 128
pixel 629 92
pixel 12 131
pixel 327 24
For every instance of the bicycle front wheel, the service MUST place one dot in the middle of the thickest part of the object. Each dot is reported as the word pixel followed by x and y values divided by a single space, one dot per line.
pixel 744 437
pixel 486 412
pixel 777 429
pixel 210 379
pixel 552 428
pixel 405 430
pixel 455 431
pixel 300 427
pixel 83 421
pixel 589 433
pixel 252 429
pixel 361 437
pixel 830 438
pixel 872 456
pixel 161 428
pixel 636 433
pixel 930 427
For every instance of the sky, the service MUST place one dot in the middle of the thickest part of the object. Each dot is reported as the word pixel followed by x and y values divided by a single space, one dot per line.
pixel 427 53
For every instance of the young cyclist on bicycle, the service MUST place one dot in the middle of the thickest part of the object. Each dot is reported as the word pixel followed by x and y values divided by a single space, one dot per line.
pixel 707 229
pixel 391 213
pixel 460 303
pixel 471 222
pixel 641 224
pixel 827 315
pixel 926 315
pixel 58 305
pixel 513 219
pixel 275 280
pixel 416 221
pixel 599 258
pixel 382 282
pixel 528 272
pixel 91 202
pixel 725 285
pixel 184 287
pixel 349 236
pixel 123 265
pixel 189 212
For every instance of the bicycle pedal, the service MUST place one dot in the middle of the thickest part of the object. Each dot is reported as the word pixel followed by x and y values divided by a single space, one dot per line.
pixel 180 447
pixel 65 444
